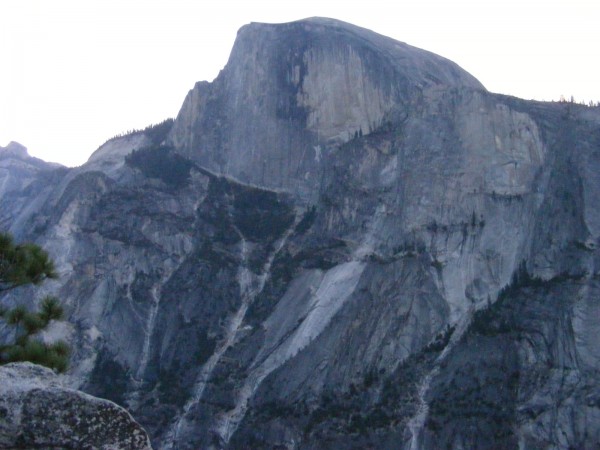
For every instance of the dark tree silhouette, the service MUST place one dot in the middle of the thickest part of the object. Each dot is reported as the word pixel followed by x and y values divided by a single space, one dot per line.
pixel 22 265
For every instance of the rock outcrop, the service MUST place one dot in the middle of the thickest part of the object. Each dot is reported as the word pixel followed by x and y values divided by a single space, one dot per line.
pixel 340 242
pixel 292 92
pixel 19 176
pixel 38 412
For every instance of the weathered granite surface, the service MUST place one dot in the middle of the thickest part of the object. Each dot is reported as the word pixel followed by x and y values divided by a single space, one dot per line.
pixel 37 411
pixel 292 92
pixel 341 242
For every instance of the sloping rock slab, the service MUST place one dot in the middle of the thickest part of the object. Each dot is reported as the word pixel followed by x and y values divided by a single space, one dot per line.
pixel 37 412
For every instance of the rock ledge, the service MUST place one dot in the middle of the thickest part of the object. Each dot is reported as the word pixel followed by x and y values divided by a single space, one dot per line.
pixel 36 411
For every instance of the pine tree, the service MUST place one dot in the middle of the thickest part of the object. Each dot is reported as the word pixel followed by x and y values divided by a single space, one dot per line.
pixel 22 265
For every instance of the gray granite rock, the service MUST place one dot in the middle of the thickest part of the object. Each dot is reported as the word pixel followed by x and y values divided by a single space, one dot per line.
pixel 291 92
pixel 318 255
pixel 37 411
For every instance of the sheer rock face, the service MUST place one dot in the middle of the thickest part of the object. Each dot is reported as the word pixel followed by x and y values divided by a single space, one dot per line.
pixel 273 277
pixel 272 113
pixel 38 412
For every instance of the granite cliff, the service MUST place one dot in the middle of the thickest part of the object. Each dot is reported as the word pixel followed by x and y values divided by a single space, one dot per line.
pixel 341 242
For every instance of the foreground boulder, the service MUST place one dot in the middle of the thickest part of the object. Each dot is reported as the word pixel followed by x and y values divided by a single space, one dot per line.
pixel 37 412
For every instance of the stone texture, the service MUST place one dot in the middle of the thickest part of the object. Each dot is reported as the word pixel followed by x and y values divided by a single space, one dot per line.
pixel 273 277
pixel 38 412
pixel 19 177
pixel 271 114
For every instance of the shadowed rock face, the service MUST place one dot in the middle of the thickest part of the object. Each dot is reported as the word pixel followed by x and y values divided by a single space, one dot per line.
pixel 272 114
pixel 265 274
pixel 38 412
pixel 19 173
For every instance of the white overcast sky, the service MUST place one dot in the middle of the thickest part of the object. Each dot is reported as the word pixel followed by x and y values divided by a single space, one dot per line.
pixel 73 73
